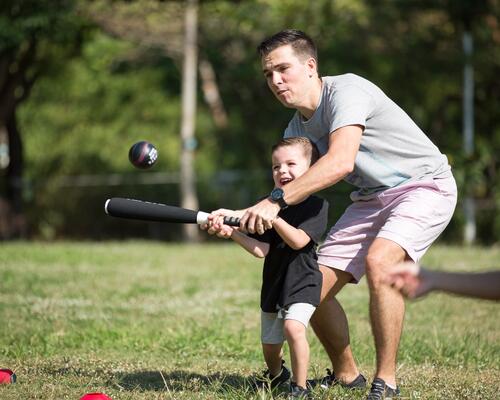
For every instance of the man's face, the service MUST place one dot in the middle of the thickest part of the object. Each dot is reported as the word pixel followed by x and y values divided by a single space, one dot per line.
pixel 288 77
pixel 289 162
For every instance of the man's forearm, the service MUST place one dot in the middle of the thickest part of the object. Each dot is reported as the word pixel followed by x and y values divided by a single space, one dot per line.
pixel 324 173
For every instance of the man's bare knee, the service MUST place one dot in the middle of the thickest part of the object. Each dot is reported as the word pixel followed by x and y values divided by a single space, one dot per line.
pixel 382 254
pixel 375 267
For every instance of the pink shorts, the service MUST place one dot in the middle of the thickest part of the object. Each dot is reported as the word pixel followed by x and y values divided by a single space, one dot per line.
pixel 412 215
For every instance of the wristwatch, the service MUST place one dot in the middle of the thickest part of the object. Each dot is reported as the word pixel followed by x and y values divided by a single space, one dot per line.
pixel 276 196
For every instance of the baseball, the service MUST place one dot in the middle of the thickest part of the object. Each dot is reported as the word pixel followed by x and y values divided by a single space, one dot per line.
pixel 143 154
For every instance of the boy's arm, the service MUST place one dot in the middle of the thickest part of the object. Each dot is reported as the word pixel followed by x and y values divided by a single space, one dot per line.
pixel 293 237
pixel 216 226
pixel 253 246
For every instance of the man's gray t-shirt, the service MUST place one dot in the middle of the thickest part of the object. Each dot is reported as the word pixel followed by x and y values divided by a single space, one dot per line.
pixel 393 149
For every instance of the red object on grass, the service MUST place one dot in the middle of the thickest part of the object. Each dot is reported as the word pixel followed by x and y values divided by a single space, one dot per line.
pixel 95 396
pixel 7 376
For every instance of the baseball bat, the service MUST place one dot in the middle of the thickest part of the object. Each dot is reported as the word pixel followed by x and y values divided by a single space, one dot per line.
pixel 147 211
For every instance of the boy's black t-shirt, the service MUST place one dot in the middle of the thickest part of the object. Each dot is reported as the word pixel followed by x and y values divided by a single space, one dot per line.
pixel 292 276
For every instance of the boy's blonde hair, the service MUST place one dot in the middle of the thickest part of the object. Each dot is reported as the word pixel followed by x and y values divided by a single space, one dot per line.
pixel 309 148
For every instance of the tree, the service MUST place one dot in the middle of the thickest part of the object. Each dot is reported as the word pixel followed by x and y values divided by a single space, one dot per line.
pixel 30 32
pixel 120 88
pixel 150 23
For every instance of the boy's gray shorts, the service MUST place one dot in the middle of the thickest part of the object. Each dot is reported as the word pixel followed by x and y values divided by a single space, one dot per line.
pixel 272 323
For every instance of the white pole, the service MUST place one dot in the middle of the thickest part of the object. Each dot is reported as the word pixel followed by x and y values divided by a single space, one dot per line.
pixel 189 198
pixel 468 132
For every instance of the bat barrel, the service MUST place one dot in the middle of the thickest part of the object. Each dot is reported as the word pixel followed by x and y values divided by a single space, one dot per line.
pixel 147 211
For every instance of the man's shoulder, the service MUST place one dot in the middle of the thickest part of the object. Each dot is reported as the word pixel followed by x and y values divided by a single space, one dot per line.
pixel 346 78
pixel 345 81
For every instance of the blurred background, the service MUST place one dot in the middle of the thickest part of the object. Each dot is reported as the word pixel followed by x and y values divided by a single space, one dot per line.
pixel 82 80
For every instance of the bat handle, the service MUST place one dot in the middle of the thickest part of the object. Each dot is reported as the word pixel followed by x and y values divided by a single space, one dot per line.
pixel 232 221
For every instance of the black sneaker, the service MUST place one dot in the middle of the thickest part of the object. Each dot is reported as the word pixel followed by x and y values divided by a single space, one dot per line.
pixel 298 392
pixel 380 391
pixel 268 381
pixel 330 380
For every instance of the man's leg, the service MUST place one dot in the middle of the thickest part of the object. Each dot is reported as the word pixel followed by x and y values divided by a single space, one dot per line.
pixel 386 306
pixel 330 325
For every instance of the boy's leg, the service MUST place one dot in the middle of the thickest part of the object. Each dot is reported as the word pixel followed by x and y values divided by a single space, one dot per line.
pixel 295 333
pixel 330 325
pixel 273 354
pixel 272 339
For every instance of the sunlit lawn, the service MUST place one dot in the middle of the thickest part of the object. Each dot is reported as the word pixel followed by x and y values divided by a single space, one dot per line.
pixel 142 320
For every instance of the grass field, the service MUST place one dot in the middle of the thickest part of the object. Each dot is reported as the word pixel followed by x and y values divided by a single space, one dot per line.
pixel 142 320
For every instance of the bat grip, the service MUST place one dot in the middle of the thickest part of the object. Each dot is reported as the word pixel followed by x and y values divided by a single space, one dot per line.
pixel 232 221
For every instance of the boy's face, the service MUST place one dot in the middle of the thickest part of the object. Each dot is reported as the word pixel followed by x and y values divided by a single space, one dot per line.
pixel 288 77
pixel 289 162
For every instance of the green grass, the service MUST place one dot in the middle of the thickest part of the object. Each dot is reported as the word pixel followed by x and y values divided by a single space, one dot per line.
pixel 142 320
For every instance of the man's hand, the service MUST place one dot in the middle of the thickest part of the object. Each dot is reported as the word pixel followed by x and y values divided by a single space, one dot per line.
pixel 260 217
pixel 410 279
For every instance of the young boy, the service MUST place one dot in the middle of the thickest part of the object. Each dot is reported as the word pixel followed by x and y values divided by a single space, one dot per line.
pixel 291 278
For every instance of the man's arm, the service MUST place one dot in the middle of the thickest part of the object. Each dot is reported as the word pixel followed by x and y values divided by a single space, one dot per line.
pixel 337 163
pixel 327 171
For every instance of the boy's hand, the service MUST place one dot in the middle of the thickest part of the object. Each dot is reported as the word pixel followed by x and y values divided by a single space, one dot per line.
pixel 218 227
pixel 215 224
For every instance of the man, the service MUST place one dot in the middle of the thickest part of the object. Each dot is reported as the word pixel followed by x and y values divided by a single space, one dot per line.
pixel 405 196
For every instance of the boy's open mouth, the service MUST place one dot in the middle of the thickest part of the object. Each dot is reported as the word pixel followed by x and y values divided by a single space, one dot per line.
pixel 285 181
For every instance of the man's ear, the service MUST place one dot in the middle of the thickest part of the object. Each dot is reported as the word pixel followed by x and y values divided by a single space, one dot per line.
pixel 312 65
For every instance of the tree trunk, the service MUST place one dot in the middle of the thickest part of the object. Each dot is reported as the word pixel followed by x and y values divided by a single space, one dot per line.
pixel 212 95
pixel 189 197
pixel 14 223
pixel 16 82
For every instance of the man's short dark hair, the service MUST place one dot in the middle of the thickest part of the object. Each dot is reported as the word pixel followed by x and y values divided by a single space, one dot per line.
pixel 310 150
pixel 302 44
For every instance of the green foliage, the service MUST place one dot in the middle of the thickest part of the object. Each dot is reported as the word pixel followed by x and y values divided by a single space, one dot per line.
pixel 90 109
pixel 37 19
pixel 83 119
pixel 94 110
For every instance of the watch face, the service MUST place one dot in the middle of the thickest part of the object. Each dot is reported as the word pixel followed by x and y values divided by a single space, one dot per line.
pixel 277 194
